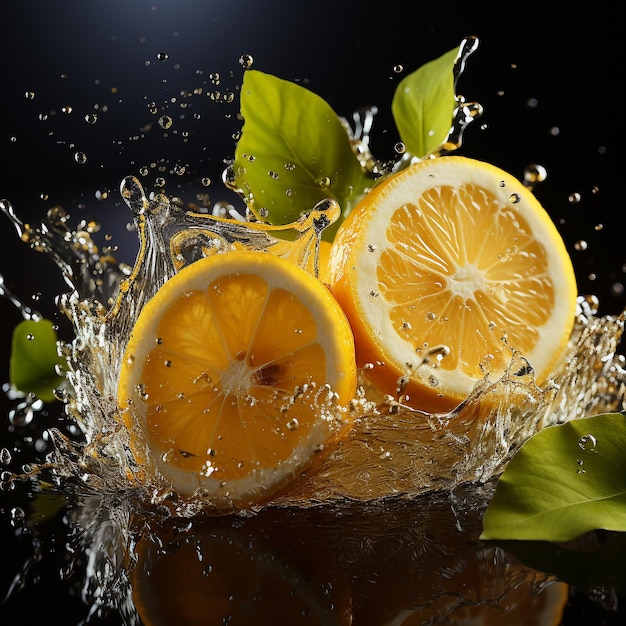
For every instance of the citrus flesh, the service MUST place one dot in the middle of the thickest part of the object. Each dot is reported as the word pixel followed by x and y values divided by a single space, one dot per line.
pixel 234 376
pixel 443 269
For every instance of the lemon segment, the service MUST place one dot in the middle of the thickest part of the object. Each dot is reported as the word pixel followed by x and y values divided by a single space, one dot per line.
pixel 236 375
pixel 443 270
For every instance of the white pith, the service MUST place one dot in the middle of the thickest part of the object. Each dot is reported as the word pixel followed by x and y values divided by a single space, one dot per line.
pixel 467 279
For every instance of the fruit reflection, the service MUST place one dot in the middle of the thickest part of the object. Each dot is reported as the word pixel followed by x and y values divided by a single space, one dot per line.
pixel 402 563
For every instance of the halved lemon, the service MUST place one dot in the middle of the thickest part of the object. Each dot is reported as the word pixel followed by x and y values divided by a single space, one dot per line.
pixel 236 375
pixel 443 269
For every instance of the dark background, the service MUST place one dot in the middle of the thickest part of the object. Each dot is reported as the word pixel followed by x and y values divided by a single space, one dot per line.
pixel 549 80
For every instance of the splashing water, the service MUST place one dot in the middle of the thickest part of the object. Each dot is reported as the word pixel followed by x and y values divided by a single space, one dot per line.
pixel 392 452
pixel 414 452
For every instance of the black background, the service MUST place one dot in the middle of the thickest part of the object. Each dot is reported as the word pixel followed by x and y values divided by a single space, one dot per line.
pixel 549 80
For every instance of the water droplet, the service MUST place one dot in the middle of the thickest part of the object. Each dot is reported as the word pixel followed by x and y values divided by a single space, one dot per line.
pixel 5 456
pixel 580 245
pixel 17 516
pixel 534 174
pixel 588 443
pixel 162 56
pixel 246 61
pixel 165 122
pixel 80 158
pixel 574 198
pixel 324 182
pixel 91 118
pixel 514 198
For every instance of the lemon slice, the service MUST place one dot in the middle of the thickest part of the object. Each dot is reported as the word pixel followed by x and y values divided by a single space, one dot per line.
pixel 442 270
pixel 235 376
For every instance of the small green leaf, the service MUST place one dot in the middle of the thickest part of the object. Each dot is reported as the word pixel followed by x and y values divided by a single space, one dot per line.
pixel 33 359
pixel 423 105
pixel 563 482
pixel 293 151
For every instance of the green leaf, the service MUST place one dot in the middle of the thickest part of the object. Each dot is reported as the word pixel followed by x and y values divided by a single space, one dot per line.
pixel 293 151
pixel 563 482
pixel 33 359
pixel 423 105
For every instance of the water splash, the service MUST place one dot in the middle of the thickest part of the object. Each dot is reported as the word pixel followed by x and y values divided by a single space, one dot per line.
pixel 392 450
pixel 394 455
